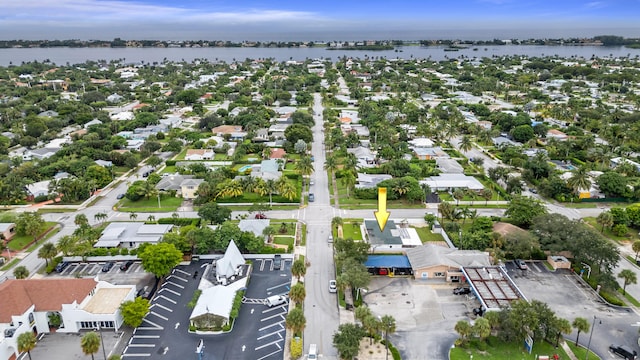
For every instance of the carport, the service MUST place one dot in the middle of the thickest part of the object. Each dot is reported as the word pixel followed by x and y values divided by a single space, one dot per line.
pixel 388 265
pixel 492 286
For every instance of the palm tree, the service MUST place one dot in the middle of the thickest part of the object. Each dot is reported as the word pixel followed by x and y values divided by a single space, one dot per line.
pixel 27 342
pixel 605 219
pixel 336 221
pixel 388 324
pixel 446 210
pixel 47 251
pixel 458 194
pixel 636 248
pixel 149 189
pixel 629 277
pixel 267 187
pixel 133 216
pixel 21 272
pixel 230 188
pixel 465 143
pixel 581 325
pixel 101 216
pixel 90 343
pixel 297 293
pixel 298 268
pixel 287 189
pixel 81 220
pixel 486 194
pixel 151 218
pixel 563 326
pixel 579 180
pixel 296 320
pixel 331 163
pixel 269 231
pixel 463 328
pixel 67 244
pixel 304 166
pixel 348 180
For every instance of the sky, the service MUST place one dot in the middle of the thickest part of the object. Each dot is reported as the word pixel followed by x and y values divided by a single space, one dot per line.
pixel 307 20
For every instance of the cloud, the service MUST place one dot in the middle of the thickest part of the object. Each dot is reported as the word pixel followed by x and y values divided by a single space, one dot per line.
pixel 595 5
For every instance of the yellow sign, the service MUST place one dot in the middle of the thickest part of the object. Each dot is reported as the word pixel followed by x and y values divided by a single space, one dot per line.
pixel 382 215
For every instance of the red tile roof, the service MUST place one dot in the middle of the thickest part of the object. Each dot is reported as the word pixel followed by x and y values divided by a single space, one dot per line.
pixel 277 153
pixel 46 294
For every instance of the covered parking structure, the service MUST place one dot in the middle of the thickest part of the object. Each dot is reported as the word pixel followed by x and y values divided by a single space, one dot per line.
pixel 492 286
pixel 388 265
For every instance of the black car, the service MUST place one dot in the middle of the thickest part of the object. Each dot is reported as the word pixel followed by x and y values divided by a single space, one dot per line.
pixel 60 267
pixel 461 291
pixel 277 261
pixel 624 352
pixel 126 265
pixel 108 266
pixel 120 196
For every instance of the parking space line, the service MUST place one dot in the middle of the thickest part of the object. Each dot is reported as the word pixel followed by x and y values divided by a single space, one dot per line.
pixel 277 286
pixel 161 306
pixel 269 344
pixel 272 325
pixel 136 355
pixel 262 265
pixel 275 308
pixel 273 316
pixel 180 271
pixel 152 323
pixel 174 284
pixel 166 298
pixel 150 328
pixel 146 337
pixel 271 334
pixel 177 277
pixel 158 315
pixel 142 345
pixel 169 290
pixel 271 354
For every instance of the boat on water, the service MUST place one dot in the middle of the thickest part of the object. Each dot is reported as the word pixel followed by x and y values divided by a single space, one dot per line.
pixel 451 49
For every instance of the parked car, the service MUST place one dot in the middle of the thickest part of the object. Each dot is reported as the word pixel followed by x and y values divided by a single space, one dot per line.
pixel 108 266
pixel 126 265
pixel 61 266
pixel 312 197
pixel 313 352
pixel 461 291
pixel 277 261
pixel 120 196
pixel 261 216
pixel 521 264
pixel 311 182
pixel 623 351
pixel 275 300
pixel 333 286
pixel 330 239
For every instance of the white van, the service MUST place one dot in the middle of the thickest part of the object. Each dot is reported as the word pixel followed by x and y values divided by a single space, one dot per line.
pixel 313 352
pixel 275 300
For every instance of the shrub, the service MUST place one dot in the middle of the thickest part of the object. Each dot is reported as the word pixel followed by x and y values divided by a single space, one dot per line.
pixel 170 162
pixel 194 300
pixel 40 198
pixel 114 251
pixel 133 251
pixel 227 327
pixel 620 230
pixel 124 251
pixel 180 221
pixel 296 348
pixel 611 299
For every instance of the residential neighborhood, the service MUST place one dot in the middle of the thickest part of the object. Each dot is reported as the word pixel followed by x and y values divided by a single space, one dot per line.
pixel 182 207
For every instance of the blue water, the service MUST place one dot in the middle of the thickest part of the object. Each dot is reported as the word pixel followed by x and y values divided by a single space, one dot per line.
pixel 244 168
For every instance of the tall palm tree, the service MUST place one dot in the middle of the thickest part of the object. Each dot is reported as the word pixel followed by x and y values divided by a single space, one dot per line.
pixel 297 293
pixel 47 251
pixel 267 187
pixel 629 277
pixel 90 343
pixel 446 210
pixel 304 166
pixel 465 143
pixel 581 325
pixel 579 180
pixel 348 180
pixel 388 325
pixel 458 194
pixel 401 187
pixel 605 219
pixel 27 342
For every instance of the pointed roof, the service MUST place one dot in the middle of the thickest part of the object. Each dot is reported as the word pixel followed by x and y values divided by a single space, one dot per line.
pixel 227 265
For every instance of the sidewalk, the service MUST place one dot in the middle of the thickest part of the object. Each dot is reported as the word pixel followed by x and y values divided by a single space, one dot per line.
pixel 567 349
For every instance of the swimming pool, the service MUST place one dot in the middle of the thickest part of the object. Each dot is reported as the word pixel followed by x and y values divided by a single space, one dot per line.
pixel 244 168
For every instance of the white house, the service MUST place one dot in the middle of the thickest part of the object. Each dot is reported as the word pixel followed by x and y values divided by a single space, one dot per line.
pixel 444 182
pixel 36 305
pixel 131 234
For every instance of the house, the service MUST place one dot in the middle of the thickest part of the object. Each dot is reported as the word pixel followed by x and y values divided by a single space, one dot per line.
pixel 233 131
pixel 29 305
pixel 277 130
pixel 199 154
pixel 262 135
pixel 135 144
pixel 39 154
pixel 114 98
pixel 500 141
pixel 431 261
pixel 392 238
pixel 268 170
pixel 48 113
pixel 487 125
pixel 189 188
pixel 123 116
pixel 615 162
pixel 366 158
pixel 104 163
pixel 449 166
pixel 447 182
pixel 40 188
pixel 7 231
pixel 277 153
pixel 370 181
pixel 91 123
pixel 429 153
pixel 556 134
pixel 131 234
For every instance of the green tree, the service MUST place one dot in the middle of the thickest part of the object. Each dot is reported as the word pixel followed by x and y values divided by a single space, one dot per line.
pixel 133 216
pixel 372 325
pixel 629 277
pixel 304 166
pixel 522 210
pixel 636 248
pixel 101 216
pixel 101 175
pixel 298 268
pixel 159 259
pixel 214 213
pixel 464 329
pixel 347 340
pixel 297 293
pixel 348 180
pixel 336 221
pixel 465 143
pixel 481 328
pixel 47 251
pixel 605 219
pixel 81 220
pixel 581 325
pixel 580 180
pixel 446 211
pixel 29 223
pixel 388 326
pixel 90 343
pixel 295 320
pixel 21 272
pixel 133 311
pixel 26 342
pixel 562 326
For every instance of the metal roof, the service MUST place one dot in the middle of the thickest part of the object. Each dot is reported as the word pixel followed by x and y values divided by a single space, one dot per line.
pixel 493 286
pixel 387 261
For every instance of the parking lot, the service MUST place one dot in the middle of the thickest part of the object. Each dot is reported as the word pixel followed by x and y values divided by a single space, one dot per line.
pixel 570 298
pixel 133 275
pixel 258 332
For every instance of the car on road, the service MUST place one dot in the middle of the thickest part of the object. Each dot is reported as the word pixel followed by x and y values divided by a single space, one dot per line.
pixel 312 182
pixel 330 239
pixel 120 196
pixel 521 264
pixel 108 266
pixel 312 197
pixel 126 265
pixel 461 291
pixel 261 216
pixel 61 266
pixel 313 352
pixel 277 261
pixel 333 287
pixel 623 351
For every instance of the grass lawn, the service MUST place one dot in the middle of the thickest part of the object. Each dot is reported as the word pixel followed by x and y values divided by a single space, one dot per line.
pixel 167 204
pixel 629 298
pixel 351 231
pixel 580 352
pixel 171 169
pixel 278 226
pixel 630 236
pixel 303 242
pixel 579 205
pixel 283 240
pixel 351 203
pixel 426 234
pixel 19 242
pixel 499 350
pixel 53 211
pixel 181 154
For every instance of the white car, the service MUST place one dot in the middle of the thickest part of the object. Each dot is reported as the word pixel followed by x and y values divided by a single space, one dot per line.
pixel 332 286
